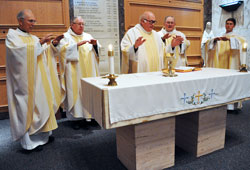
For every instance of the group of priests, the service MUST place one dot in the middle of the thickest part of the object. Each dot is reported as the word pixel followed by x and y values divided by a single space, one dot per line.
pixel 35 92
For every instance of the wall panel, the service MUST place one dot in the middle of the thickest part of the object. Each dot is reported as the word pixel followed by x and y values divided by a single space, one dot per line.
pixel 3 93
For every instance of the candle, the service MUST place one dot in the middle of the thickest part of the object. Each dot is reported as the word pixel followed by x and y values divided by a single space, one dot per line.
pixel 111 59
pixel 244 53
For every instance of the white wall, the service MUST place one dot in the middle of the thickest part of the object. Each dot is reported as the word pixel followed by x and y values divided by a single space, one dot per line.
pixel 242 16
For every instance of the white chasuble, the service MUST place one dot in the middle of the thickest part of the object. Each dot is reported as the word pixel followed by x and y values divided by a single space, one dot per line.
pixel 76 62
pixel 30 98
pixel 148 57
pixel 51 62
pixel 179 51
pixel 225 54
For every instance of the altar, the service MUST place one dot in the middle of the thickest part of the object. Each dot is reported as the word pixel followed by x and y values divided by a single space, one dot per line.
pixel 153 113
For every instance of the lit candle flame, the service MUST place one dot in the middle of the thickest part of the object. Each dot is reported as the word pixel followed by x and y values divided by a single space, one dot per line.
pixel 110 47
pixel 245 45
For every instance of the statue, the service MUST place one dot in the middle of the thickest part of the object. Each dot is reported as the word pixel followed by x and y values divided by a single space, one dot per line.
pixel 207 35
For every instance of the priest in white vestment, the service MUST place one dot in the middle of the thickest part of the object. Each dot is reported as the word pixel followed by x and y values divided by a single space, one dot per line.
pixel 177 40
pixel 207 36
pixel 29 87
pixel 226 51
pixel 79 55
pixel 142 48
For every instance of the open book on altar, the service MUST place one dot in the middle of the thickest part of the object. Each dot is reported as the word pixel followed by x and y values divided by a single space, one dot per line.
pixel 184 69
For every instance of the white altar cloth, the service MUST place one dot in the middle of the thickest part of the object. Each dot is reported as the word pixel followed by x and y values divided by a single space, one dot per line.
pixel 146 94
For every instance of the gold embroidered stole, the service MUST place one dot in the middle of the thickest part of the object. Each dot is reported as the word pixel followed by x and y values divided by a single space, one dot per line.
pixel 51 124
pixel 152 51
pixel 62 62
pixel 85 58
pixel 31 77
pixel 54 77
pixel 224 54
pixel 176 52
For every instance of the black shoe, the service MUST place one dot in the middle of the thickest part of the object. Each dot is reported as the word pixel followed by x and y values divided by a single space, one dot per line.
pixel 27 152
pixel 51 139
pixel 38 148
pixel 76 125
pixel 93 122
pixel 235 112
pixel 92 125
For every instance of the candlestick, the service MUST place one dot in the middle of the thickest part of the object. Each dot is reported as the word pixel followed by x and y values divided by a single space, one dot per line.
pixel 244 53
pixel 111 75
pixel 243 58
pixel 111 59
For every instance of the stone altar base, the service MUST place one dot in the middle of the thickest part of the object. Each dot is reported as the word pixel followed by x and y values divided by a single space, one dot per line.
pixel 202 132
pixel 149 145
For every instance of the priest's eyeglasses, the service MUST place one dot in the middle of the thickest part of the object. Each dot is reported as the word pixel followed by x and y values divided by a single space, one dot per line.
pixel 32 21
pixel 80 24
pixel 150 21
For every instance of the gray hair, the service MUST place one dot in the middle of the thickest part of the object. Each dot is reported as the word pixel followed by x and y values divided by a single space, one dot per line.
pixel 143 16
pixel 72 20
pixel 21 15
pixel 168 17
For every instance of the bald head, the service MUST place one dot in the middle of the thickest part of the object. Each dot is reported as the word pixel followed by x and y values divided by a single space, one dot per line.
pixel 23 14
pixel 147 21
pixel 26 20
pixel 146 15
